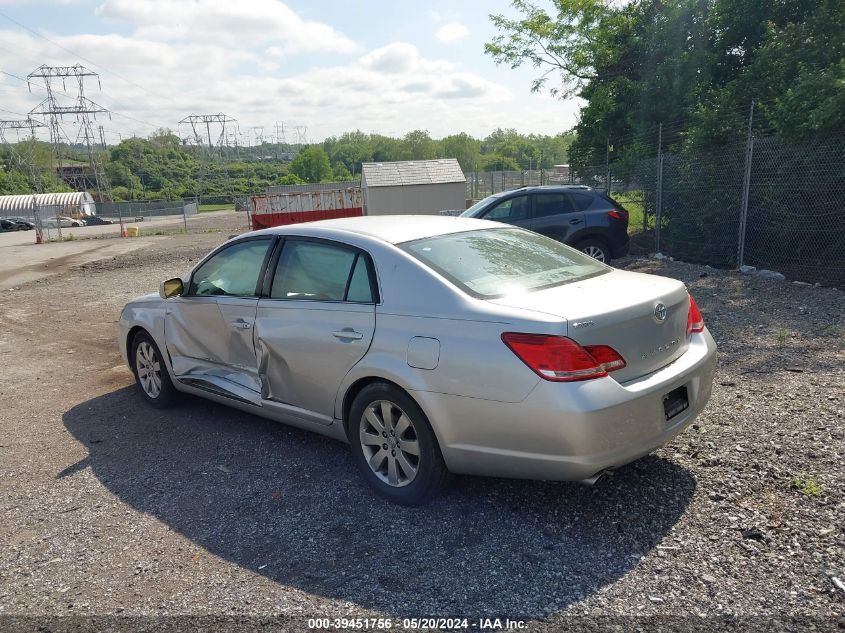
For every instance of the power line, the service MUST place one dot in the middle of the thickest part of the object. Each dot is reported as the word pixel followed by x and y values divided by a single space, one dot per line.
pixel 67 50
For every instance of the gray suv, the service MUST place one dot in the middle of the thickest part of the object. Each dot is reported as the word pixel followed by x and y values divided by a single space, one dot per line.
pixel 582 217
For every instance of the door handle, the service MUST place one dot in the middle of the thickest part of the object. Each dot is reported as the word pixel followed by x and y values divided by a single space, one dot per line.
pixel 241 324
pixel 575 221
pixel 349 334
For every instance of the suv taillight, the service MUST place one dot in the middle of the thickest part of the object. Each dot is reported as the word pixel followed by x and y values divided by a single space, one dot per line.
pixel 695 322
pixel 560 359
pixel 617 214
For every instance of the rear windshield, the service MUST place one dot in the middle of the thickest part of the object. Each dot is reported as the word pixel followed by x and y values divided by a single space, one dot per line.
pixel 491 263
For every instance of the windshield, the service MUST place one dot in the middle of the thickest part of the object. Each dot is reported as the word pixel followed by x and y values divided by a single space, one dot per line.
pixel 491 263
pixel 470 213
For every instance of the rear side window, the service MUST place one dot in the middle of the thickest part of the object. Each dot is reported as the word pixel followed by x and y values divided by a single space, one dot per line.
pixel 581 201
pixel 315 271
pixel 494 263
pixel 546 204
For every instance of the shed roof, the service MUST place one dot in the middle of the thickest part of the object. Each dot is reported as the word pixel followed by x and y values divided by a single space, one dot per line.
pixel 412 172
pixel 24 203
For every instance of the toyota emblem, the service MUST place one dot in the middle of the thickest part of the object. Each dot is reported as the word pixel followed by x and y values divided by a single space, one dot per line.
pixel 660 312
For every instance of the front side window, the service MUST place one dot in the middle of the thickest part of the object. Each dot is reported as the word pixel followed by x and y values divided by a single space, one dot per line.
pixel 492 263
pixel 510 210
pixel 315 271
pixel 232 272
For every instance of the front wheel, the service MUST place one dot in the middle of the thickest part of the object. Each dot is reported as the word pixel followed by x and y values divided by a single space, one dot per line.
pixel 394 446
pixel 595 249
pixel 150 372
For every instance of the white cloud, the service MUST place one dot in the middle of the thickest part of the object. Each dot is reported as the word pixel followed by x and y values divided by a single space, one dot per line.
pixel 452 32
pixel 223 22
pixel 177 59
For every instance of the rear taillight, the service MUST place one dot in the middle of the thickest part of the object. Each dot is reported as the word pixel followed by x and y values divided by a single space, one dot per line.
pixel 617 215
pixel 561 359
pixel 695 322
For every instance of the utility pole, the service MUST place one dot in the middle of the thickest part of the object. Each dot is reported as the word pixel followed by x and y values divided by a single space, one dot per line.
pixel 83 109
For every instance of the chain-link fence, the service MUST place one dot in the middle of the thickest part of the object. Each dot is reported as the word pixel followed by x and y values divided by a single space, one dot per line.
pixel 481 184
pixel 763 202
pixel 52 223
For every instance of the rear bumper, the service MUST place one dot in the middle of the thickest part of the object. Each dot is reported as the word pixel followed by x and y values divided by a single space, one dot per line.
pixel 622 249
pixel 571 431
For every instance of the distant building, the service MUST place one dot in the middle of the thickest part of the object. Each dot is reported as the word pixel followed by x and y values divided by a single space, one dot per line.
pixel 71 204
pixel 413 187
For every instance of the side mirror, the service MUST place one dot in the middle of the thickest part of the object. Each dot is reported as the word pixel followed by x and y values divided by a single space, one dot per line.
pixel 171 288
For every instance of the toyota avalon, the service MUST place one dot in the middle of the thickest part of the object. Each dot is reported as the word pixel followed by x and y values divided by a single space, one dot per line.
pixel 431 345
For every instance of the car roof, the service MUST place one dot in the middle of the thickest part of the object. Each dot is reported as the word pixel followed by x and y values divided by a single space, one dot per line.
pixel 393 229
pixel 552 188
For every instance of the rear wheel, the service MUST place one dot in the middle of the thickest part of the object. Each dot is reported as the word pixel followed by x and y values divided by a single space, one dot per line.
pixel 595 249
pixel 393 445
pixel 151 373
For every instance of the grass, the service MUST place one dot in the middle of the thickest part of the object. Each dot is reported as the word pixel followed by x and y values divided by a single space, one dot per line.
pixel 206 208
pixel 807 486
pixel 633 201
pixel 782 336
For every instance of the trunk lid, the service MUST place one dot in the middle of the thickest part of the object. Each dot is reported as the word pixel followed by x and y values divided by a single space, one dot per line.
pixel 618 309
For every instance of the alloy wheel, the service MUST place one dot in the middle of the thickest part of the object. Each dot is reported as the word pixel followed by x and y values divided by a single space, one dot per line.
pixel 390 443
pixel 148 366
pixel 595 252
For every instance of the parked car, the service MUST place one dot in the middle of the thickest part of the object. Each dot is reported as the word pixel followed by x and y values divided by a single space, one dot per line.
pixel 580 216
pixel 22 223
pixel 431 345
pixel 8 225
pixel 62 221
pixel 96 220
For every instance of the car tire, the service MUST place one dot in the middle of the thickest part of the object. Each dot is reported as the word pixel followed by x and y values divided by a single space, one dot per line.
pixel 389 463
pixel 595 249
pixel 151 373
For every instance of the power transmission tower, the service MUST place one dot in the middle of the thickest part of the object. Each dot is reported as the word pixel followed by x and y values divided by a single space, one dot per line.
pixel 82 108
pixel 257 135
pixel 281 142
pixel 23 155
pixel 212 144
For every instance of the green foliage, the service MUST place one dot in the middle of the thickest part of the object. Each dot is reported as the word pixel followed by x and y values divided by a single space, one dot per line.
pixel 312 165
pixel 695 65
pixel 16 178
pixel 502 149
pixel 807 486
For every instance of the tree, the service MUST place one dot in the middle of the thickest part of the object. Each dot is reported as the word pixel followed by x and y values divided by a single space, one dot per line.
pixel 418 145
pixel 463 147
pixel 312 164
pixel 693 65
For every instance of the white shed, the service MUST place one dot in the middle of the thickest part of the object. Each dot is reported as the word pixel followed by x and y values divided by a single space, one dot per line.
pixel 413 187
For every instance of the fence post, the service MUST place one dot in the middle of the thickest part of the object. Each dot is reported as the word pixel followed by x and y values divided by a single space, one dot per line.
pixel 746 189
pixel 658 193
pixel 492 185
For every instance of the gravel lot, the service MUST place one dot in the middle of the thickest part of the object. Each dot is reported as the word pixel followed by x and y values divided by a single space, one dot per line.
pixel 110 507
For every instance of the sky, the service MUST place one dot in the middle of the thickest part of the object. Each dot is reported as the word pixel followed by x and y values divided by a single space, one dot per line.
pixel 322 67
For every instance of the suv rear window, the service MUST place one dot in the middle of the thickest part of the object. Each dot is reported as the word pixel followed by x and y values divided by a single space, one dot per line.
pixel 491 263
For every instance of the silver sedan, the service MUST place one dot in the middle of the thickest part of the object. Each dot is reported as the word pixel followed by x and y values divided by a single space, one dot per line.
pixel 431 345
